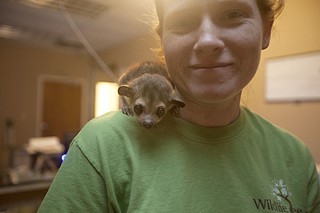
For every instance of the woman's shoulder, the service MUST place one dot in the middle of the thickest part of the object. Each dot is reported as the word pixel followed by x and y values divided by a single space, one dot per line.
pixel 105 130
pixel 114 117
pixel 274 134
pixel 108 123
pixel 115 130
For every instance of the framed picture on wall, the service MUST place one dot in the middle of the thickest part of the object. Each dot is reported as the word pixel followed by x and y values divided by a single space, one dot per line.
pixel 293 78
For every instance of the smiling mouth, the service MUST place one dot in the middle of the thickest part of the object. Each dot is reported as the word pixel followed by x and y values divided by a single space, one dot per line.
pixel 210 66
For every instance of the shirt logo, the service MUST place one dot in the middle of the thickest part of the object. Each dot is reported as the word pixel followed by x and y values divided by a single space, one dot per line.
pixel 280 201
pixel 281 192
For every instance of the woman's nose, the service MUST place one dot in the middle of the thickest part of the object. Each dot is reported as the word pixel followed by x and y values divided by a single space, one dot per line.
pixel 208 38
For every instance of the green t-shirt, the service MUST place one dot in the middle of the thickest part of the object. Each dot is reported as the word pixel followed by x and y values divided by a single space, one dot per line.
pixel 115 165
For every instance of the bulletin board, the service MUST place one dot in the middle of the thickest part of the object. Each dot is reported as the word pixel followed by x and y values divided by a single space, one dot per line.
pixel 293 78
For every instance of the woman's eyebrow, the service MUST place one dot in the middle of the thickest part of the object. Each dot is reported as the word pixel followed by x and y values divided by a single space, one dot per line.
pixel 215 6
pixel 178 11
pixel 232 4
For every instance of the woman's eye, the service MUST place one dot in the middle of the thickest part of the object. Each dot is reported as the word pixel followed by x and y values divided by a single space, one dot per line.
pixel 180 25
pixel 161 111
pixel 138 109
pixel 233 15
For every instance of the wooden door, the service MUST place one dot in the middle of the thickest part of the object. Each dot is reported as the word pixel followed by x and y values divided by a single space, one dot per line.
pixel 61 108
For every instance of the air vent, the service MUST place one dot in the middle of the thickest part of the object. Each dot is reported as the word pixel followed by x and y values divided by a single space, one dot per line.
pixel 30 35
pixel 21 33
pixel 86 8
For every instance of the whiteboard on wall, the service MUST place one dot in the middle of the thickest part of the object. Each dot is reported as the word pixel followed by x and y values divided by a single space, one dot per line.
pixel 294 78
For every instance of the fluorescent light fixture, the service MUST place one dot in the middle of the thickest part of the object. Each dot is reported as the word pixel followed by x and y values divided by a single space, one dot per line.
pixel 107 98
pixel 7 31
pixel 86 8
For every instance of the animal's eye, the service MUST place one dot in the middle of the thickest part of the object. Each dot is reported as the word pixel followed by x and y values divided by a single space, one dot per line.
pixel 138 109
pixel 161 111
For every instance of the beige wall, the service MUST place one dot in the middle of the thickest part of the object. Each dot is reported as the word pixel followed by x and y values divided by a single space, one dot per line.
pixel 21 67
pixel 133 51
pixel 297 31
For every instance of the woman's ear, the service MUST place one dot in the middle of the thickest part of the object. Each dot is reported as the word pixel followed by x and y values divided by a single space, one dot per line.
pixel 267 34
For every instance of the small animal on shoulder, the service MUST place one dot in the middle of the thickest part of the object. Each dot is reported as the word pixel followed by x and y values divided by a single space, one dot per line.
pixel 148 93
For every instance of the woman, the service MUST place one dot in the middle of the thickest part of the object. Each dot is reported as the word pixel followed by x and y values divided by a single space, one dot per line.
pixel 214 156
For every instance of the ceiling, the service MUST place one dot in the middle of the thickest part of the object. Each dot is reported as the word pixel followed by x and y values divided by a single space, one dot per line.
pixel 75 24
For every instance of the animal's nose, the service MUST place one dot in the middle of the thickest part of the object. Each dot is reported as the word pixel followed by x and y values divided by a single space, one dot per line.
pixel 147 124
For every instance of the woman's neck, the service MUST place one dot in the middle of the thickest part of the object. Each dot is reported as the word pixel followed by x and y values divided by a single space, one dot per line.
pixel 218 114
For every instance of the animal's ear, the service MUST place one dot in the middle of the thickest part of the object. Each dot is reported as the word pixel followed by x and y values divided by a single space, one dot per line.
pixel 176 100
pixel 125 90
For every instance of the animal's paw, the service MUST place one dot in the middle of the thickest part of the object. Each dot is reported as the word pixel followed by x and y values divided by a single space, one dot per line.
pixel 127 111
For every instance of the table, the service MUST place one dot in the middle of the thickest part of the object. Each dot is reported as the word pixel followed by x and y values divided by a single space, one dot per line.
pixel 22 194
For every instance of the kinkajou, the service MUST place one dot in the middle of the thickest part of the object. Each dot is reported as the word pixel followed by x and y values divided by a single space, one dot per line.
pixel 148 93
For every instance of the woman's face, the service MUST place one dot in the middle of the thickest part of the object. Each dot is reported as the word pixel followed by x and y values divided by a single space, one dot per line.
pixel 212 47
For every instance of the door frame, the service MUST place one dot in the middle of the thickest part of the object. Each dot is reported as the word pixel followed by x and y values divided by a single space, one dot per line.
pixel 84 115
